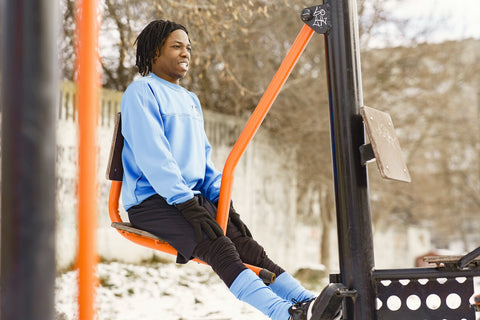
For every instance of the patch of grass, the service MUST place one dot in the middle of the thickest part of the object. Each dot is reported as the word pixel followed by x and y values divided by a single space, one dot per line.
pixel 156 259
pixel 68 268
pixel 131 274
pixel 105 282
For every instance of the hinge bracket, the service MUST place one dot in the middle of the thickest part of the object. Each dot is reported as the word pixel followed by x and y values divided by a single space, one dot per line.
pixel 318 17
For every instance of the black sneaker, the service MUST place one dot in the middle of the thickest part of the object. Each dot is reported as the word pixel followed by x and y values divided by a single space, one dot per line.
pixel 339 315
pixel 301 310
pixel 304 311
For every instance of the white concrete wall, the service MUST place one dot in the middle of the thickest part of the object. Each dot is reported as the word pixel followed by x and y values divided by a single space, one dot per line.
pixel 264 186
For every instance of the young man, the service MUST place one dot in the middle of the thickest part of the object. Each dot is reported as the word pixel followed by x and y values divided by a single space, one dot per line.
pixel 171 187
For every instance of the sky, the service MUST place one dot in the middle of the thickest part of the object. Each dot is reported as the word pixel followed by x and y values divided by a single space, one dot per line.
pixel 446 19
pixel 430 21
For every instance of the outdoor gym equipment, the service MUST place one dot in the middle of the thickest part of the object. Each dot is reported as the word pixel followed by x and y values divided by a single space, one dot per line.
pixel 115 170
pixel 365 292
pixel 380 294
pixel 28 96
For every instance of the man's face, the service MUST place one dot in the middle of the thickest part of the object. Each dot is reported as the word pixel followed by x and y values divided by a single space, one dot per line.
pixel 172 64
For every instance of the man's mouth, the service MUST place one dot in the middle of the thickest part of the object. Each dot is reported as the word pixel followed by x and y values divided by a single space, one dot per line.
pixel 184 64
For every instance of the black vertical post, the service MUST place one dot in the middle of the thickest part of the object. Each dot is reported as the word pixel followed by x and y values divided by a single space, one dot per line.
pixel 29 96
pixel 350 177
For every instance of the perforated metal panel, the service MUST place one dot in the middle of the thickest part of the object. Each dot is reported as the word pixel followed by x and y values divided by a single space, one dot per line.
pixel 421 299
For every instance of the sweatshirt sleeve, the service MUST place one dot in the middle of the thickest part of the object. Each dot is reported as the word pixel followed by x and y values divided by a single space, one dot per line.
pixel 142 128
pixel 213 178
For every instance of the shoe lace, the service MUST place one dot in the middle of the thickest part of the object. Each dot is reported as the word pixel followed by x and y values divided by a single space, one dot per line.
pixel 298 304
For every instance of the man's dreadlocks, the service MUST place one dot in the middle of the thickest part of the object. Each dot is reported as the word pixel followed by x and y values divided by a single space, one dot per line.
pixel 152 39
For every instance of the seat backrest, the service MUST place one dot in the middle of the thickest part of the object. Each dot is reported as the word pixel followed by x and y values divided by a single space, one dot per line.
pixel 114 166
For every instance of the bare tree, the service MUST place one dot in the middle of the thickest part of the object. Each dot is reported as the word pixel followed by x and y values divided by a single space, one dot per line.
pixel 66 42
pixel 237 48
pixel 430 93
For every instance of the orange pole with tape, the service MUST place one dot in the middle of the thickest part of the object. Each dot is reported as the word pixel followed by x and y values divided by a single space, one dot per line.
pixel 256 120
pixel 87 106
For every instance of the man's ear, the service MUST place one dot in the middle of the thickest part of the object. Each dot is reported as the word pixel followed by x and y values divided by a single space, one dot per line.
pixel 157 54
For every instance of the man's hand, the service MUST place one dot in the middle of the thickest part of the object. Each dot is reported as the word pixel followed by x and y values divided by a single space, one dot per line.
pixel 200 219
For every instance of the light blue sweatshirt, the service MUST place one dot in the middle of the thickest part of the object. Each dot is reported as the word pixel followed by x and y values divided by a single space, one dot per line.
pixel 166 151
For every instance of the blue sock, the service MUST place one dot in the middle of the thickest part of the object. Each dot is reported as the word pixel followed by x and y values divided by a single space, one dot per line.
pixel 248 288
pixel 288 288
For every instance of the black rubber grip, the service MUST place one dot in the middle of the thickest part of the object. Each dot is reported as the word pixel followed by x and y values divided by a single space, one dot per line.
pixel 267 276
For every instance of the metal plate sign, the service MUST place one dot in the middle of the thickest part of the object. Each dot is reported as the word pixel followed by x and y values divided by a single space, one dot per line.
pixel 384 141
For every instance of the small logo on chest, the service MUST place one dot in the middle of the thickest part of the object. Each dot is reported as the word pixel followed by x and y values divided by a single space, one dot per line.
pixel 195 110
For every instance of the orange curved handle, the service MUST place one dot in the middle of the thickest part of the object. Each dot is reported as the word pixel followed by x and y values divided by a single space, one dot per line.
pixel 113 204
pixel 113 197
pixel 256 120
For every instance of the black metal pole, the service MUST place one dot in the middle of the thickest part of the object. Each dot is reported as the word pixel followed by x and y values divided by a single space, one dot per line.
pixel 350 177
pixel 29 96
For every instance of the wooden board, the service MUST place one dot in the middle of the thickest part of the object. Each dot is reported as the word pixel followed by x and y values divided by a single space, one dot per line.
pixel 384 141
pixel 446 259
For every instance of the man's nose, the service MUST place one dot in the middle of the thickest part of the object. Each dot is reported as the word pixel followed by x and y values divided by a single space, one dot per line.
pixel 185 53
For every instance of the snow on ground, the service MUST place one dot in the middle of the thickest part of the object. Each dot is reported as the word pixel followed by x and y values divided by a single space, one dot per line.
pixel 160 291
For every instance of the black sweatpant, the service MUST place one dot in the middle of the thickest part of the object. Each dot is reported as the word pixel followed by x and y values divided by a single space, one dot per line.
pixel 225 254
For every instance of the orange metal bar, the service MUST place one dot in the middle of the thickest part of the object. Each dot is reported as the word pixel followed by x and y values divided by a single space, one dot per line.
pixel 88 87
pixel 256 120
pixel 113 204
pixel 113 197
